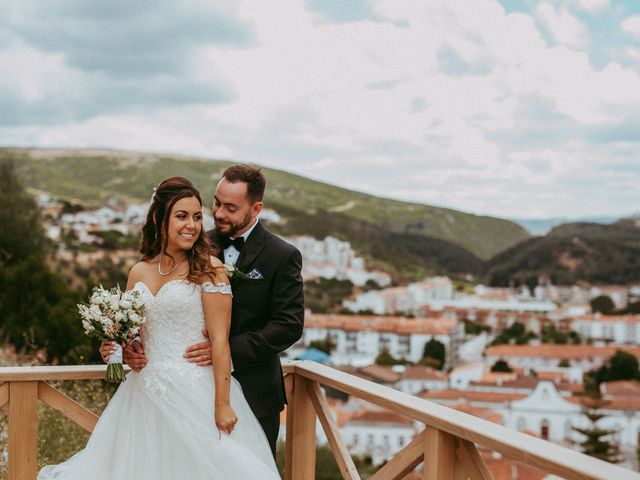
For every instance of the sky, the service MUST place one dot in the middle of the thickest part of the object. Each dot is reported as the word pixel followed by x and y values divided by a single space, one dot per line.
pixel 511 108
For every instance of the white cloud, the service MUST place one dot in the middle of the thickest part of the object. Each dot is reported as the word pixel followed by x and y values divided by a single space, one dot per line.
pixel 565 28
pixel 448 102
pixel 592 5
pixel 631 25
pixel 632 53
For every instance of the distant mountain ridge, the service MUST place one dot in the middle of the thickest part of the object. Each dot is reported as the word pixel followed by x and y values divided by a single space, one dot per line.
pixel 409 240
pixel 542 226
pixel 572 252
pixel 95 175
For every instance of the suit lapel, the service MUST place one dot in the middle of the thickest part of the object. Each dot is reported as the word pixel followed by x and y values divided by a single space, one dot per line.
pixel 252 248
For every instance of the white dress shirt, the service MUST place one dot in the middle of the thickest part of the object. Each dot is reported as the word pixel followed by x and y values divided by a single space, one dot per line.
pixel 231 253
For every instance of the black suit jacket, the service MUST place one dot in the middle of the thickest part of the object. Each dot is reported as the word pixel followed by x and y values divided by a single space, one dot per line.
pixel 267 317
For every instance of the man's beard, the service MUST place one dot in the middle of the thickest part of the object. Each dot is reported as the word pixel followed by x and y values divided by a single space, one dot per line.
pixel 234 227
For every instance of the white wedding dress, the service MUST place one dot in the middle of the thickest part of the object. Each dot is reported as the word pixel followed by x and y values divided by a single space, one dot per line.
pixel 160 424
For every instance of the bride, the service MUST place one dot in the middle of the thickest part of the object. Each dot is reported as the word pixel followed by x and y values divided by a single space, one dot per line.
pixel 174 419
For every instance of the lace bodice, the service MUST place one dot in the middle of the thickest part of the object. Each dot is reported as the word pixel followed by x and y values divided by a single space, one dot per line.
pixel 175 319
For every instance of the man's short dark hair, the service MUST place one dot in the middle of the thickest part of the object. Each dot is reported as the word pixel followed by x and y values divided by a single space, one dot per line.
pixel 250 175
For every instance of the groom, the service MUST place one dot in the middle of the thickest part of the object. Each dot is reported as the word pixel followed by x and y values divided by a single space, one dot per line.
pixel 268 307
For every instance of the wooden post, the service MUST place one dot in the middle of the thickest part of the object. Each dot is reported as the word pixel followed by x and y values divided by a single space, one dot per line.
pixel 288 446
pixel 301 433
pixel 23 430
pixel 440 455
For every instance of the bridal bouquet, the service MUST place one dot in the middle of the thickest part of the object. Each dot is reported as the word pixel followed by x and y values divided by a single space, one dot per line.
pixel 113 315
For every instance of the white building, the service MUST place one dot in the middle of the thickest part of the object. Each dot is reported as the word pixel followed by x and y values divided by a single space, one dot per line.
pixel 578 358
pixel 618 293
pixel 380 434
pixel 437 293
pixel 359 338
pixel 460 377
pixel 415 379
pixel 622 329
pixel 406 300
pixel 548 414
pixel 333 258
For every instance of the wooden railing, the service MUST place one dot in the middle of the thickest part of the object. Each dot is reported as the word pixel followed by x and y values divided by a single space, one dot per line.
pixel 447 445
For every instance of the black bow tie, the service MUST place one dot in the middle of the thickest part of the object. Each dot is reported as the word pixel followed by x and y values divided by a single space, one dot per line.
pixel 238 243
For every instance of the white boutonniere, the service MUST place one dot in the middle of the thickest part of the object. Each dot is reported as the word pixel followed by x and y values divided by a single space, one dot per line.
pixel 234 273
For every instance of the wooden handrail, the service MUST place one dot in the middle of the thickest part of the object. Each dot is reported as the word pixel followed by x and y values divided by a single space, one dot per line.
pixel 65 372
pixel 448 442
pixel 532 451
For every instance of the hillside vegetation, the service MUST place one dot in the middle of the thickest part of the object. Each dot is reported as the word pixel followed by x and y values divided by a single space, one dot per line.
pixel 95 176
pixel 571 253
pixel 409 240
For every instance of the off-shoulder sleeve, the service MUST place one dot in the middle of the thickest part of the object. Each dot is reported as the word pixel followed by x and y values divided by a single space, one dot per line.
pixel 224 288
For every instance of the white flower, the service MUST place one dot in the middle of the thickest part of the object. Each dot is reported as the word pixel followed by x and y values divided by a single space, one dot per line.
pixel 97 299
pixel 120 316
pixel 88 327
pixel 84 311
pixel 137 304
pixel 95 312
pixel 127 297
pixel 113 301
pixel 125 304
pixel 135 318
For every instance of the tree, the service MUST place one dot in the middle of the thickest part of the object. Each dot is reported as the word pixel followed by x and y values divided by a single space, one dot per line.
pixel 327 345
pixel 575 337
pixel 551 335
pixel 602 304
pixel 633 307
pixel 435 350
pixel 515 333
pixel 37 308
pixel 501 366
pixel 21 234
pixel 385 358
pixel 620 366
pixel 473 328
pixel 596 443
pixel 39 311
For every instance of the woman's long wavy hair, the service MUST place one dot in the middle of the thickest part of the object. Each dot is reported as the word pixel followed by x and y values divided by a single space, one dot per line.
pixel 155 231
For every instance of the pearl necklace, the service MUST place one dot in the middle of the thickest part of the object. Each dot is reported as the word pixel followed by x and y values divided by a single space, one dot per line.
pixel 170 271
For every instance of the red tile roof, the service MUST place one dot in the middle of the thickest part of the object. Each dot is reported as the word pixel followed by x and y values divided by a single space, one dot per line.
pixel 614 404
pixel 559 351
pixel 379 373
pixel 622 389
pixel 423 373
pixel 373 323
pixel 609 318
pixel 380 416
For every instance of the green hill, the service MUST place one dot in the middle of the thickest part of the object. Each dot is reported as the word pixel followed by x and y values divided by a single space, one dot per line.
pixel 573 252
pixel 93 176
